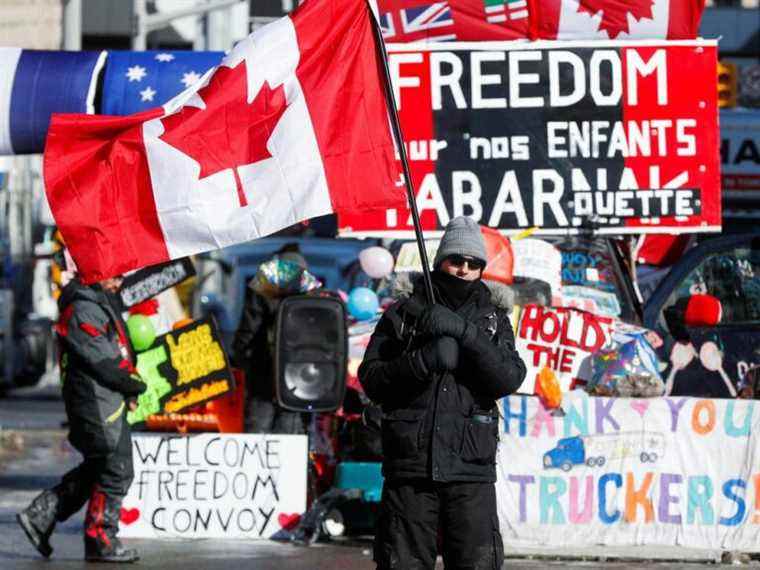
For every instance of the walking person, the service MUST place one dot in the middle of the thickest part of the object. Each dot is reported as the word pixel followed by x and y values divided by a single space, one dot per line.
pixel 438 371
pixel 99 385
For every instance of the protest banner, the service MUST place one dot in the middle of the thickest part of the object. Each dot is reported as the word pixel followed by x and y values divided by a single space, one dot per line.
pixel 185 367
pixel 148 282
pixel 659 471
pixel 618 137
pixel 215 485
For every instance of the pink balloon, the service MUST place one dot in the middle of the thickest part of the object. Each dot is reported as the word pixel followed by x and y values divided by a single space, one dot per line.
pixel 377 262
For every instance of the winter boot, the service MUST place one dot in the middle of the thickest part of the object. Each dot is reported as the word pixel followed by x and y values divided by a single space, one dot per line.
pixel 101 525
pixel 38 520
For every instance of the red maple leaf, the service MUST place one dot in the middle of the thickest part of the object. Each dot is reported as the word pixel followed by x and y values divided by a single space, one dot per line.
pixel 615 13
pixel 229 132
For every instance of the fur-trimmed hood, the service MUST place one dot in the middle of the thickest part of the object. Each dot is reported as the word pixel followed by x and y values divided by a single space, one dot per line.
pixel 502 295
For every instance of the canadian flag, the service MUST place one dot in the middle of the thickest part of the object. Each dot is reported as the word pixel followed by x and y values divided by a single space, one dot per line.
pixel 616 19
pixel 293 124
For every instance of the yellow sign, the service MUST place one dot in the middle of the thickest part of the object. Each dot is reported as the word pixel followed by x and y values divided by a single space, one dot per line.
pixel 195 355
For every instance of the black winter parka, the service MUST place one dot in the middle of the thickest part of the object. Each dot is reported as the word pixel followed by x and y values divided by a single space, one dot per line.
pixel 97 369
pixel 253 346
pixel 442 427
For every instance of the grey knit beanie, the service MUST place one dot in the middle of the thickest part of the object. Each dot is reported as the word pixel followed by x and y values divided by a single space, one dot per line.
pixel 461 237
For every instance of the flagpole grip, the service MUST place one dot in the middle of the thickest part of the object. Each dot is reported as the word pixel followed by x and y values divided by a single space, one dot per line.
pixel 390 100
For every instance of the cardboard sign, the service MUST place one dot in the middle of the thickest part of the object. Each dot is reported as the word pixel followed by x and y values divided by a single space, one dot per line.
pixel 148 282
pixel 215 486
pixel 563 339
pixel 619 137
pixel 537 259
pixel 186 367
pixel 656 471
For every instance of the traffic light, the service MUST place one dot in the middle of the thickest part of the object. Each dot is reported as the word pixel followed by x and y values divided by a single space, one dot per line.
pixel 727 85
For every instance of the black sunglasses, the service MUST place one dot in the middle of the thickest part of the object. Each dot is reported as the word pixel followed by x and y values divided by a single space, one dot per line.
pixel 460 260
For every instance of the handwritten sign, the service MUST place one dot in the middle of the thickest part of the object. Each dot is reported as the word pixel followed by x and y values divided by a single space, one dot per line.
pixel 186 367
pixel 148 282
pixel 215 485
pixel 538 259
pixel 658 471
pixel 561 338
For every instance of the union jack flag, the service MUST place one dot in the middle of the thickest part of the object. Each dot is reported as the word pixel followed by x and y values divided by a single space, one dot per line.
pixel 423 21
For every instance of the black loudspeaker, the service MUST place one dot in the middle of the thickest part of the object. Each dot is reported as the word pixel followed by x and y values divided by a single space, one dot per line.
pixel 311 347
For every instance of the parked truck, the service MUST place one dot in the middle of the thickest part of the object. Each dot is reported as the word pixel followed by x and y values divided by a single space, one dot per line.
pixel 26 315
pixel 596 450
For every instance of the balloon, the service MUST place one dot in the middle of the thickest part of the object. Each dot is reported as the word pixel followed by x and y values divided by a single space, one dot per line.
pixel 377 262
pixel 548 389
pixel 141 332
pixel 363 303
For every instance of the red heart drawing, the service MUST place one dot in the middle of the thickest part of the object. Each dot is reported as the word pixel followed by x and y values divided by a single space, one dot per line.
pixel 288 522
pixel 128 516
pixel 640 406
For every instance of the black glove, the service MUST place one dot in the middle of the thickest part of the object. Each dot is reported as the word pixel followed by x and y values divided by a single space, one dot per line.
pixel 133 386
pixel 441 354
pixel 437 320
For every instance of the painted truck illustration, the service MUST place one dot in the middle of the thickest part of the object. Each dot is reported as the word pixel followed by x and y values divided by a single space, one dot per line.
pixel 596 450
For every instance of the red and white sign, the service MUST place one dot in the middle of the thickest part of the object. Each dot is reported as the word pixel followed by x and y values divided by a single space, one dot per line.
pixel 562 339
pixel 285 129
pixel 613 136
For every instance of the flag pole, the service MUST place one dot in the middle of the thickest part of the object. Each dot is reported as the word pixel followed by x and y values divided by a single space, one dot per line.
pixel 390 100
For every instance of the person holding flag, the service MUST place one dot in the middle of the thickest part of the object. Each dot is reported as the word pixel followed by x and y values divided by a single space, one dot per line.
pixel 437 370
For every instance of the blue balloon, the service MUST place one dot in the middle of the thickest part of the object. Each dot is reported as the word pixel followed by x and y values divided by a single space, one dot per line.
pixel 363 303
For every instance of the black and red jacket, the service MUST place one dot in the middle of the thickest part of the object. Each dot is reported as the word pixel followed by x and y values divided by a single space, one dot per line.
pixel 97 368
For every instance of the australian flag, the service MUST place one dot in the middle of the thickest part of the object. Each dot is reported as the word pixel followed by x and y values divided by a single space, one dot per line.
pixel 139 80
pixel 414 20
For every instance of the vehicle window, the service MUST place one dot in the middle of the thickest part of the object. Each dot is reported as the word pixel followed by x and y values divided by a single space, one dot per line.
pixel 733 277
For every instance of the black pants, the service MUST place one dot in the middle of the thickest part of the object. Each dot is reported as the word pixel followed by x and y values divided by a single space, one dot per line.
pixel 414 511
pixel 112 473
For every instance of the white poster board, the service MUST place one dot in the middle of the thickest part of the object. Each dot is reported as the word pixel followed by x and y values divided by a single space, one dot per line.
pixel 214 485
pixel 626 471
